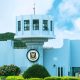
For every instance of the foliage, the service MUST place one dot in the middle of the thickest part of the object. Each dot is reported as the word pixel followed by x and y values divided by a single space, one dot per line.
pixel 19 44
pixel 61 78
pixel 70 78
pixel 36 71
pixel 47 78
pixel 14 78
pixel 6 36
pixel 9 70
pixel 36 79
pixel 2 77
pixel 53 78
pixel 10 36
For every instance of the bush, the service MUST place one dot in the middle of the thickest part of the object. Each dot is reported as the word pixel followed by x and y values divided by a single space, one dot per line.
pixel 53 78
pixel 35 79
pixel 70 78
pixel 6 36
pixel 14 78
pixel 36 71
pixel 61 78
pixel 9 70
pixel 19 44
pixel 2 77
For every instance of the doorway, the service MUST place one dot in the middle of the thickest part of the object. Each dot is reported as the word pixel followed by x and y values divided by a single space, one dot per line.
pixel 75 71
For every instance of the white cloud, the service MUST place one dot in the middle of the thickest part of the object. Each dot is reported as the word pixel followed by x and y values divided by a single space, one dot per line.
pixel 26 6
pixel 57 42
pixel 76 23
pixel 71 35
pixel 69 10
pixel 11 8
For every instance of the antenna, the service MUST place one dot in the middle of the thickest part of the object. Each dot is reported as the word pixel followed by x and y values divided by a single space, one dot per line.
pixel 34 8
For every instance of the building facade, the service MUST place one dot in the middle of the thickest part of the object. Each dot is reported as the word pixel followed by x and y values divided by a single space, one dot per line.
pixel 34 30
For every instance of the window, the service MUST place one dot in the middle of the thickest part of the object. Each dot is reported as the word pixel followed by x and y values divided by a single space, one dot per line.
pixel 75 71
pixel 19 25
pixel 60 71
pixel 35 24
pixel 26 25
pixel 45 25
pixel 51 25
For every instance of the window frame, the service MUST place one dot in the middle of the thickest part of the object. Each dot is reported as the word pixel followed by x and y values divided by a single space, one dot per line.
pixel 35 24
pixel 19 25
pixel 26 25
pixel 51 25
pixel 45 25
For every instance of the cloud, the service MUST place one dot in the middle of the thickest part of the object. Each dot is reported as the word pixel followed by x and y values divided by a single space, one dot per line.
pixel 76 23
pixel 7 16
pixel 57 42
pixel 69 10
pixel 65 12
pixel 12 8
pixel 26 6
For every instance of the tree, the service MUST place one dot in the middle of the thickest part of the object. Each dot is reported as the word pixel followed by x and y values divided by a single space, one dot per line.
pixel 36 71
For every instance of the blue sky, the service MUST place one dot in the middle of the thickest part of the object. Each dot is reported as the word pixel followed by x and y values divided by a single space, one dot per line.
pixel 66 14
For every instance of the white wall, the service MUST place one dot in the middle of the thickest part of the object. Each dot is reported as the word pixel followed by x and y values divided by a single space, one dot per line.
pixel 6 52
pixel 75 53
pixel 60 57
pixel 67 56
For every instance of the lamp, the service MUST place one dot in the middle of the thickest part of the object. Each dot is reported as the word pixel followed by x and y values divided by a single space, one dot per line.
pixel 54 65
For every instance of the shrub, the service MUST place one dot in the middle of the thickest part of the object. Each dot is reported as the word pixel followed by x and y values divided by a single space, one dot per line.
pixel 70 78
pixel 2 77
pixel 19 44
pixel 14 78
pixel 36 79
pixel 7 36
pixel 9 70
pixel 53 78
pixel 62 78
pixel 36 71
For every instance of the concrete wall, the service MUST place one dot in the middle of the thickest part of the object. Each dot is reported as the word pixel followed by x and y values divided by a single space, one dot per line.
pixel 66 56
pixel 60 57
pixel 6 52
pixel 75 53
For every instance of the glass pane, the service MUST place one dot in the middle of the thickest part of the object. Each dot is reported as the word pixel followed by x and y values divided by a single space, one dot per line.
pixel 51 25
pixel 58 71
pixel 19 25
pixel 75 70
pixel 35 24
pixel 61 71
pixel 26 25
pixel 45 25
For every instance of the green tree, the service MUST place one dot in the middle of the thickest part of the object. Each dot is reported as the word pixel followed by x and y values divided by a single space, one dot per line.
pixel 36 71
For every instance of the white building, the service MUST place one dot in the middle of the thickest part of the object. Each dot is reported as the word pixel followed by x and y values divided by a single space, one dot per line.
pixel 34 30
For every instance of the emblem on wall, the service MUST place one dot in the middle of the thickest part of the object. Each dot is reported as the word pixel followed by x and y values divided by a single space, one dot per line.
pixel 33 55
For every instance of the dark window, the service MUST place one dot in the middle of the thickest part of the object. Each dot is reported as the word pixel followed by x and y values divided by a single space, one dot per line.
pixel 58 71
pixel 26 25
pixel 61 71
pixel 75 70
pixel 35 24
pixel 19 25
pixel 51 25
pixel 45 25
